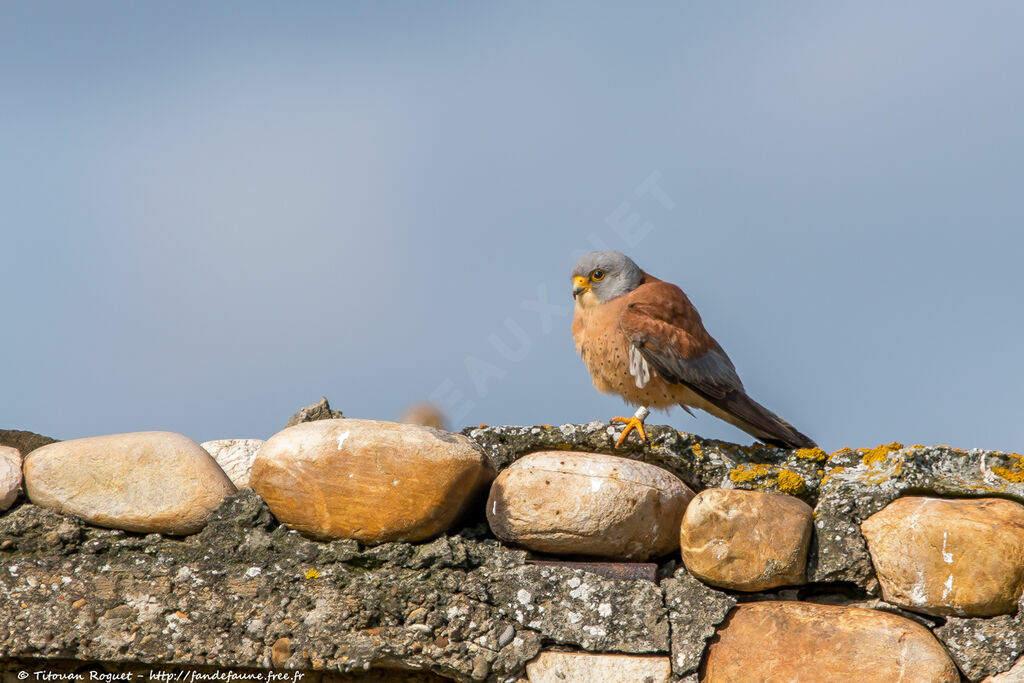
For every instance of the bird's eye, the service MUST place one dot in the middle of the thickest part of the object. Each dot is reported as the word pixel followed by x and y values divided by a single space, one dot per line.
pixel 597 275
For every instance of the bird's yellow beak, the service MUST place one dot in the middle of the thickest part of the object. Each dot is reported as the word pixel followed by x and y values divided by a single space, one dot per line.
pixel 579 285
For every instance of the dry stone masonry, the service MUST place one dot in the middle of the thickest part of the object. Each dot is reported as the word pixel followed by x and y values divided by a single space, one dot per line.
pixel 349 549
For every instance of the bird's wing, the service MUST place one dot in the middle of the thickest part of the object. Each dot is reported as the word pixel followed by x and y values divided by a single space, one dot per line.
pixel 662 324
pixel 665 328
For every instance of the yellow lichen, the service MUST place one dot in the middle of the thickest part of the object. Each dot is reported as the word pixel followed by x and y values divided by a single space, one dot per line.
pixel 815 454
pixel 744 473
pixel 792 483
pixel 312 574
pixel 697 450
pixel 1014 475
pixel 879 453
pixel 844 449
pixel 834 471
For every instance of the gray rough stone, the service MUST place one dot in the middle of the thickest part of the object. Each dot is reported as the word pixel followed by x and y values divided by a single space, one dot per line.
pixel 461 606
pixel 693 611
pixel 321 410
pixel 982 647
pixel 859 483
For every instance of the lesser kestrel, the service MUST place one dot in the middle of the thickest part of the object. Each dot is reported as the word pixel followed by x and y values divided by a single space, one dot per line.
pixel 641 338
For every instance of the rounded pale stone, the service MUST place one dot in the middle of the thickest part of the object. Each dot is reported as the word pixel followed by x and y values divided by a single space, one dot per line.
pixel 10 476
pixel 235 457
pixel 943 557
pixel 588 504
pixel 799 641
pixel 583 667
pixel 368 480
pixel 142 481
pixel 746 540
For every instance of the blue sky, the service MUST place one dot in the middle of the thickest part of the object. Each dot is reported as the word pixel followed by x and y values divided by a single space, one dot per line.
pixel 215 213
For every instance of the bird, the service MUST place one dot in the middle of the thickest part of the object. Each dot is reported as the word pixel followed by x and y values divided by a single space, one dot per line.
pixel 641 338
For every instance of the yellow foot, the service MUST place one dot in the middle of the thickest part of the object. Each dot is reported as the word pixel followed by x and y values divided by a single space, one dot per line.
pixel 631 424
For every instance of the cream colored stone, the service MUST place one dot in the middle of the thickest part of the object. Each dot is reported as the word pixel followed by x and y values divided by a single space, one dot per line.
pixel 368 480
pixel 583 667
pixel 799 641
pixel 588 504
pixel 961 557
pixel 10 476
pixel 142 481
pixel 235 457
pixel 746 540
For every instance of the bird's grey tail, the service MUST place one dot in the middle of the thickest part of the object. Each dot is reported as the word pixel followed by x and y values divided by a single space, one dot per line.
pixel 744 412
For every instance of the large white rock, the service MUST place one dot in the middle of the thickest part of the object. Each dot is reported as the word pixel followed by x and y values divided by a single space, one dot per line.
pixel 235 457
pixel 368 480
pixel 141 481
pixel 588 504
pixel 10 476
pixel 584 667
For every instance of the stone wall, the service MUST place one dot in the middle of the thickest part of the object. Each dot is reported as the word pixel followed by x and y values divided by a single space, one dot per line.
pixel 508 554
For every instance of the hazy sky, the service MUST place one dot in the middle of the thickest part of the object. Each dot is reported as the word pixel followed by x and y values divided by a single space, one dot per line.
pixel 214 213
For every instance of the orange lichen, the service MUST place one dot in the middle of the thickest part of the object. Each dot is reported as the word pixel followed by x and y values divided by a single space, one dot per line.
pixel 832 472
pixel 697 450
pixel 744 473
pixel 1006 473
pixel 815 454
pixel 792 483
pixel 1015 472
pixel 879 453
pixel 844 449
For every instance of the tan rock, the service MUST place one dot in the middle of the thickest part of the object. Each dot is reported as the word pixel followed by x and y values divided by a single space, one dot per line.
pixel 235 457
pixel 142 481
pixel 10 476
pixel 943 557
pixel 368 480
pixel 583 667
pixel 588 504
pixel 799 641
pixel 746 540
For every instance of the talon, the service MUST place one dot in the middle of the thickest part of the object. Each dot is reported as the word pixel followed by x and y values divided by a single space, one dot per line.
pixel 632 423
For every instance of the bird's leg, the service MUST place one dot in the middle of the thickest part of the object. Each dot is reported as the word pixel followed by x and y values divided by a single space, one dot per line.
pixel 636 422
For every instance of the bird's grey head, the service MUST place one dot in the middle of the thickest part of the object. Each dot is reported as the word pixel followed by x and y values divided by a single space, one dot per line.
pixel 605 275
